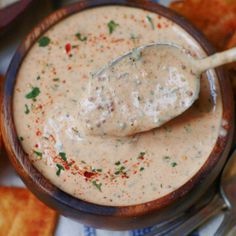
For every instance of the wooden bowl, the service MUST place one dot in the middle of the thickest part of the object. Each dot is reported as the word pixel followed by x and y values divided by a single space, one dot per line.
pixel 126 217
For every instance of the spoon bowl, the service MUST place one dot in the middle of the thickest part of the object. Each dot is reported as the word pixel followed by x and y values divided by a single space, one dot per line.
pixel 140 90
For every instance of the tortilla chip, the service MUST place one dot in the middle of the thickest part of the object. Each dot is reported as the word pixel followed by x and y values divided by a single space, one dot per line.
pixel 21 214
pixel 215 18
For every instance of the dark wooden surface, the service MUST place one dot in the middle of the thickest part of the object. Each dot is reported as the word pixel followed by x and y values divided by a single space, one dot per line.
pixel 102 216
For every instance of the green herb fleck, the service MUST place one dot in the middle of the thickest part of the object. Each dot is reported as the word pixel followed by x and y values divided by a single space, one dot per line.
pixel 63 156
pixel 80 37
pixel 173 164
pixel 59 169
pixel 56 79
pixel 39 154
pixel 33 93
pixel 188 128
pixel 166 157
pixel 149 19
pixel 141 169
pixel 97 185
pixel 21 138
pixel 83 162
pixel 96 170
pixel 112 26
pixel 167 129
pixel 75 130
pixel 38 78
pixel 27 111
pixel 44 41
pixel 133 37
pixel 120 170
pixel 141 154
pixel 117 163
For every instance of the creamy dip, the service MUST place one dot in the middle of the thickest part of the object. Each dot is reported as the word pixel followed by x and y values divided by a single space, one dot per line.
pixel 106 170
pixel 139 91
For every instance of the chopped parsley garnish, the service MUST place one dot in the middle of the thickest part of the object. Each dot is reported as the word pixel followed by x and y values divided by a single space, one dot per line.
pixel 39 154
pixel 59 169
pixel 96 170
pixel 44 41
pixel 63 156
pixel 33 93
pixel 117 163
pixel 56 79
pixel 149 19
pixel 141 169
pixel 112 26
pixel 27 111
pixel 166 157
pixel 80 37
pixel 97 185
pixel 120 170
pixel 173 164
pixel 38 78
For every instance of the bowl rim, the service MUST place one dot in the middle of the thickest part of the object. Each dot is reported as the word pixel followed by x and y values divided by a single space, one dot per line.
pixel 31 176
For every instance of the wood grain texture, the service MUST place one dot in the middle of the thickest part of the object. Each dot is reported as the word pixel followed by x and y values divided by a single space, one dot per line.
pixel 126 217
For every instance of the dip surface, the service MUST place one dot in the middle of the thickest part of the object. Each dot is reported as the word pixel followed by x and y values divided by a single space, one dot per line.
pixel 108 170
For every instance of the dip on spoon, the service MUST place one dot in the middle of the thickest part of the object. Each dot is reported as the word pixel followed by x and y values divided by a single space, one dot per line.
pixel 144 89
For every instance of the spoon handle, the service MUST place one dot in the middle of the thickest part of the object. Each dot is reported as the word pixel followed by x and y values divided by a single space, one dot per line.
pixel 216 59
pixel 214 207
pixel 227 224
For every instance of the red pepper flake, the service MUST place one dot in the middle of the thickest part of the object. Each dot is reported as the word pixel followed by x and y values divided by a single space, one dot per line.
pixel 124 176
pixel 39 106
pixel 88 174
pixel 38 133
pixel 36 145
pixel 68 48
pixel 69 67
pixel 66 166
pixel 159 26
